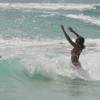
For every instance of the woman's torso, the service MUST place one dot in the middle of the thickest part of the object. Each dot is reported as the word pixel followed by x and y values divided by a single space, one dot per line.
pixel 75 53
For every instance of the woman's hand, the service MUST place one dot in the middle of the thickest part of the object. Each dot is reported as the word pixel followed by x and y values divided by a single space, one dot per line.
pixel 70 29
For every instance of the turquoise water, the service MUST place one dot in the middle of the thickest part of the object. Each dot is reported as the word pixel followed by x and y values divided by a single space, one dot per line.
pixel 35 62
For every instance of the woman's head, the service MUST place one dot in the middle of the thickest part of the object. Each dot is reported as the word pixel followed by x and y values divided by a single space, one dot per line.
pixel 80 42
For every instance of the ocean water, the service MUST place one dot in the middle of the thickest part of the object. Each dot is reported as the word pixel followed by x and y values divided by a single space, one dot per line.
pixel 35 56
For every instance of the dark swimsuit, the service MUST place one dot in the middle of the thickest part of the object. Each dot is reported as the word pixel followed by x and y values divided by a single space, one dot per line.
pixel 74 58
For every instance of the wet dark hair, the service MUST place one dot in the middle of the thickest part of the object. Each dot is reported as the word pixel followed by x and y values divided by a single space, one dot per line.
pixel 80 42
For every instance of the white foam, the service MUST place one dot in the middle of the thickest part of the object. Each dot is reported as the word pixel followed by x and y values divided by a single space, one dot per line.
pixel 48 6
pixel 49 57
pixel 85 18
pixel 20 43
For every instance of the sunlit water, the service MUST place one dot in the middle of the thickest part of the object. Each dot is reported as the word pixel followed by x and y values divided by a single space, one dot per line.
pixel 35 56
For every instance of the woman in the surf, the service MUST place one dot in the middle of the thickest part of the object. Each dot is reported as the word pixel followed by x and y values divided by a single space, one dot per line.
pixel 78 46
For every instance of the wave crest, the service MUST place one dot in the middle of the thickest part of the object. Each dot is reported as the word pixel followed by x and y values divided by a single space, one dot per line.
pixel 47 6
pixel 85 18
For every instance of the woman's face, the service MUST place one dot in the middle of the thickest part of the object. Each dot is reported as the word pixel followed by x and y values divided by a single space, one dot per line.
pixel 80 40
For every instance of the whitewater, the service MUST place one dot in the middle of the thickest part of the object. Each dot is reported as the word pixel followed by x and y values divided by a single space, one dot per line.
pixel 46 57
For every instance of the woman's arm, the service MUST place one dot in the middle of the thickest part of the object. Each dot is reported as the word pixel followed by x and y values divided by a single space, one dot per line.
pixel 67 37
pixel 71 30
